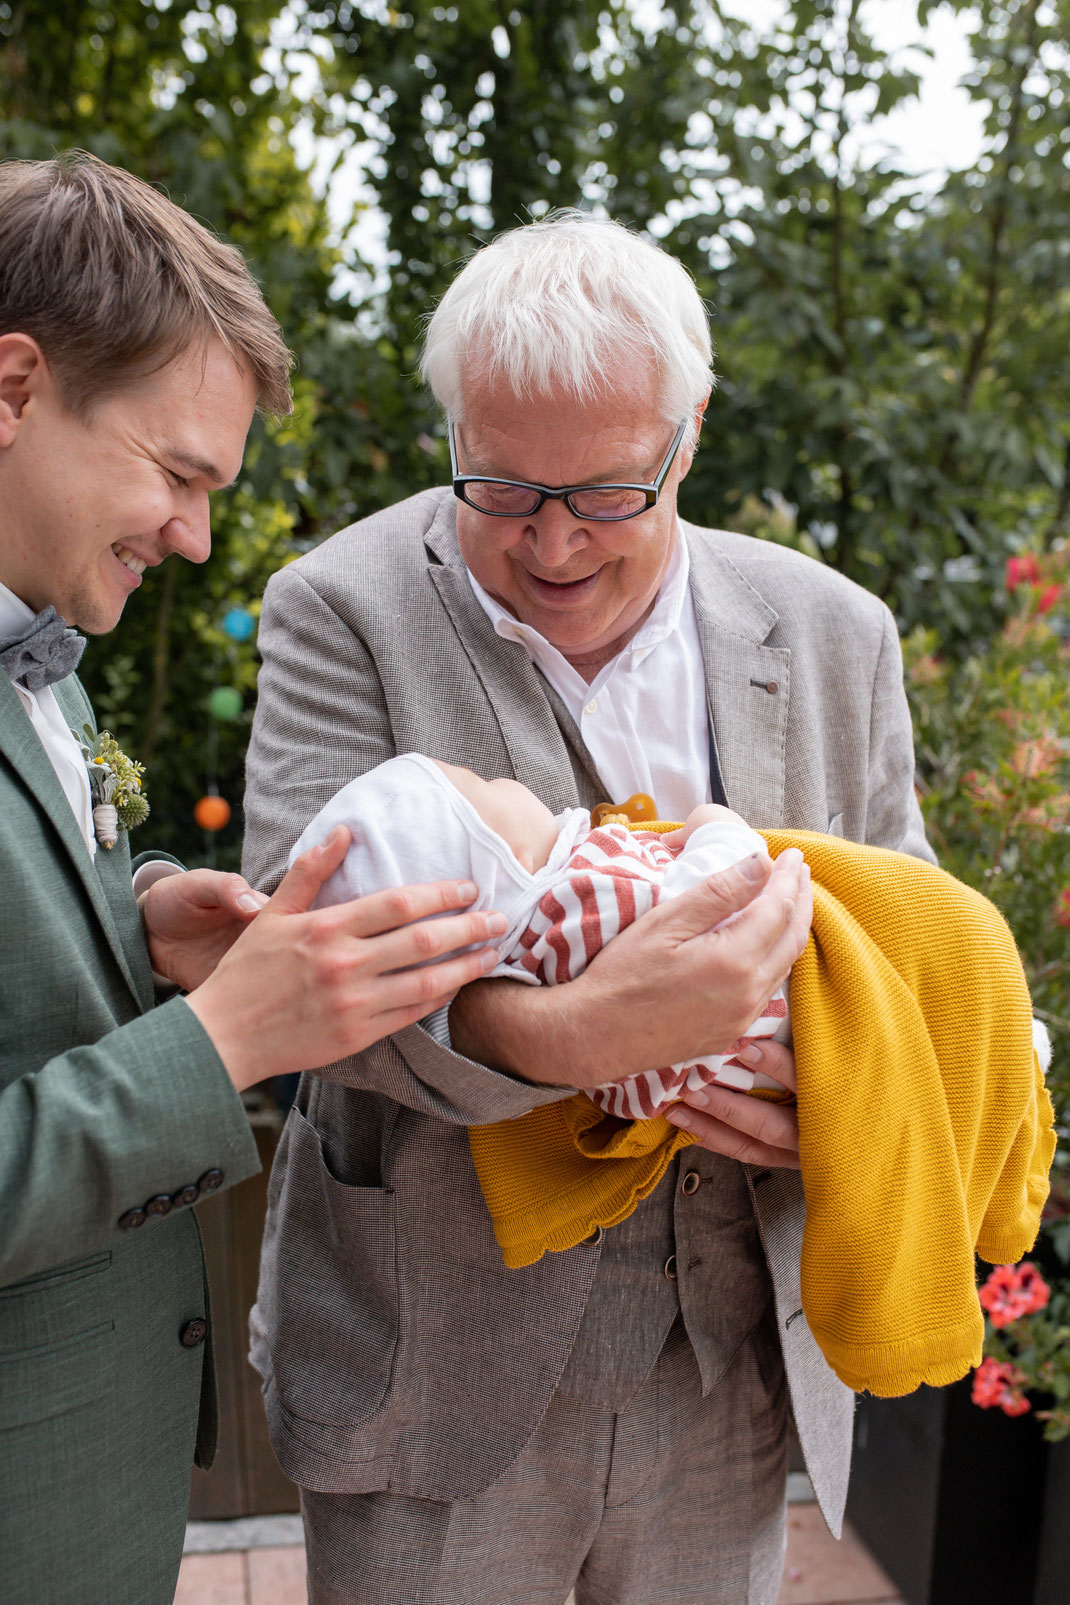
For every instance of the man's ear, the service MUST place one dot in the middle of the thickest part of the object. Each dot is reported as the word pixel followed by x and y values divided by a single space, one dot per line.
pixel 687 456
pixel 22 370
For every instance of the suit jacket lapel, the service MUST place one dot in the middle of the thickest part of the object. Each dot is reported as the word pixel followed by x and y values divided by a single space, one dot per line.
pixel 516 691
pixel 21 746
pixel 747 682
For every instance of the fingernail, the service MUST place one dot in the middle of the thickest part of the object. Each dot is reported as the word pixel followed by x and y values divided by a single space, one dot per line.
pixel 467 891
pixel 750 1054
pixel 699 1098
pixel 677 1117
pixel 249 902
pixel 754 867
pixel 489 958
pixel 497 924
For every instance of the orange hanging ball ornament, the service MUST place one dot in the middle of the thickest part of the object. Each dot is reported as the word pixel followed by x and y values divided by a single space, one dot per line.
pixel 212 813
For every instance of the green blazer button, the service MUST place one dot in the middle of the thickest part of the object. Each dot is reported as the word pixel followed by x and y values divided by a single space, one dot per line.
pixel 160 1205
pixel 186 1195
pixel 131 1220
pixel 211 1181
pixel 192 1333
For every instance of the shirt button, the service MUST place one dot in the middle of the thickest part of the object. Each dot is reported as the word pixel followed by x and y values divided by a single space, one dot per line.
pixel 160 1205
pixel 192 1333
pixel 211 1181
pixel 592 706
pixel 670 1267
pixel 691 1182
pixel 132 1220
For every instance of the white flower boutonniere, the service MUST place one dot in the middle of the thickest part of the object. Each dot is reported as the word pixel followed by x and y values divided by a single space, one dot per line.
pixel 115 782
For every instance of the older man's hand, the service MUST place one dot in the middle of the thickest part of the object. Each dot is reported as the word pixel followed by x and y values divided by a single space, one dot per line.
pixel 750 1129
pixel 676 985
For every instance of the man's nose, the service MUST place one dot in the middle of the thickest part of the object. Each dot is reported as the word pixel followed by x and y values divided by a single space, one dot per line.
pixel 189 533
pixel 554 533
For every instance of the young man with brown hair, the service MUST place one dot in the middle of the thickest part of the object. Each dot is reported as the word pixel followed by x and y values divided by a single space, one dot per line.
pixel 133 350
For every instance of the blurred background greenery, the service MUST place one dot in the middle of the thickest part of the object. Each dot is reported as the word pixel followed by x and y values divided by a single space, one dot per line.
pixel 891 343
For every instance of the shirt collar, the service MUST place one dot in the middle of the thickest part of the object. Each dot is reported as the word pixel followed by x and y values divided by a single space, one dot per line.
pixel 663 620
pixel 15 614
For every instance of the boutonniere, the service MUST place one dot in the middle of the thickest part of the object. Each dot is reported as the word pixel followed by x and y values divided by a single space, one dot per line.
pixel 115 783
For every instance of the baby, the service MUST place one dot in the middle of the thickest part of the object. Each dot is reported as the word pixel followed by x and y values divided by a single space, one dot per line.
pixel 565 888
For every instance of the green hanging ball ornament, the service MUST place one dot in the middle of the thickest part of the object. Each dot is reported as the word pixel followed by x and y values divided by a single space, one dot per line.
pixel 225 702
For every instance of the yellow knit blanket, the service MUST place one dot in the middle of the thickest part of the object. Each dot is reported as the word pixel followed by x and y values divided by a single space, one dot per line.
pixel 925 1128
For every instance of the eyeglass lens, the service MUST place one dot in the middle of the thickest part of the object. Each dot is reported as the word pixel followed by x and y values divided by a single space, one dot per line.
pixel 594 501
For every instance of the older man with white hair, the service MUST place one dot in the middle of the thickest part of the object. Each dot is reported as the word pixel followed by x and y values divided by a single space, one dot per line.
pixel 612 1418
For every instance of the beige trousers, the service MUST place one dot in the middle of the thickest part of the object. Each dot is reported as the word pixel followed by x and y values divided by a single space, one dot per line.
pixel 676 1498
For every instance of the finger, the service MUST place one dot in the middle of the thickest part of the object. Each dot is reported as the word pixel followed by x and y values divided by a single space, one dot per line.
pixel 773 1124
pixel 705 906
pixel 380 912
pixel 430 939
pixel 302 882
pixel 772 1059
pixel 420 992
pixel 771 1138
pixel 239 898
pixel 723 1139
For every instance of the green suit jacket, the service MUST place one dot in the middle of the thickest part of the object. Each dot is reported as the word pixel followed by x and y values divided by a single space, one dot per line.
pixel 107 1102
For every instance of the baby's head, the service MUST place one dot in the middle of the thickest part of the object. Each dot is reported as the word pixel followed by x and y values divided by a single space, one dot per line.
pixel 509 809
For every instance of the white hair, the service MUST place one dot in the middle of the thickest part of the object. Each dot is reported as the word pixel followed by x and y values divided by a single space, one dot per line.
pixel 564 304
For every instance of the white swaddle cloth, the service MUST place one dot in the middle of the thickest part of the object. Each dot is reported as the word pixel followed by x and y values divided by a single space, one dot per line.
pixel 411 825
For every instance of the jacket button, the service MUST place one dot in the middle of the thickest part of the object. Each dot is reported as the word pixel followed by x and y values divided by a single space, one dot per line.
pixel 670 1267
pixel 187 1195
pixel 691 1183
pixel 193 1332
pixel 211 1181
pixel 160 1205
pixel 132 1220
pixel 772 686
pixel 595 1237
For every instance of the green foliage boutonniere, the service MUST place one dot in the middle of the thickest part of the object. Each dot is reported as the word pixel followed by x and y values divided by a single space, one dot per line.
pixel 115 782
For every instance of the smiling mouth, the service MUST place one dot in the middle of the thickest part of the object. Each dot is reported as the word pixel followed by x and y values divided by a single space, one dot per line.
pixel 564 588
pixel 136 565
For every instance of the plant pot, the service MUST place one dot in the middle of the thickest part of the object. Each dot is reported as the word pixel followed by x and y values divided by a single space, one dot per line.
pixel 961 1506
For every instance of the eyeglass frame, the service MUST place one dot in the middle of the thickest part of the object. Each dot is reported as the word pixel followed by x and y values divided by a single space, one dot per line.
pixel 563 493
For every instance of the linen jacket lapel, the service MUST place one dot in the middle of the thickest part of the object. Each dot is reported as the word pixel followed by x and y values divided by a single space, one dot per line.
pixel 516 691
pixel 747 683
pixel 32 768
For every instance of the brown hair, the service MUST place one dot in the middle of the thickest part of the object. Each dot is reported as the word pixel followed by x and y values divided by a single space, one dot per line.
pixel 113 280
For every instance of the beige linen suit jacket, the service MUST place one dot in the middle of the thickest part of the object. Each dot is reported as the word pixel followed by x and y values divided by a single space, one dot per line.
pixel 396 1349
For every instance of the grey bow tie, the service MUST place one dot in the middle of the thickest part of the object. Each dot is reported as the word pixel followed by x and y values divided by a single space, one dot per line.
pixel 45 651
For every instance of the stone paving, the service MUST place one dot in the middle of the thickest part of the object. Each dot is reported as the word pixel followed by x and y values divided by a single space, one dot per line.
pixel 817 1571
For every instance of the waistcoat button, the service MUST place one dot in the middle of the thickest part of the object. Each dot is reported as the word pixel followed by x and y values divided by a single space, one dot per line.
pixel 691 1183
pixel 670 1267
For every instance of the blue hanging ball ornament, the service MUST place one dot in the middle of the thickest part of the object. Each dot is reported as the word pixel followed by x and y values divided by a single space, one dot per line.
pixel 238 623
pixel 225 702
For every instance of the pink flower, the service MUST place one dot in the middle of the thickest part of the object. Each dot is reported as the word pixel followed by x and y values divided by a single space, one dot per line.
pixel 1021 570
pixel 997 1385
pixel 1013 1291
pixel 1048 598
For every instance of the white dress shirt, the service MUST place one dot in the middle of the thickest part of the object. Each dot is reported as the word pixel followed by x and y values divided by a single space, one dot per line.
pixel 58 740
pixel 643 718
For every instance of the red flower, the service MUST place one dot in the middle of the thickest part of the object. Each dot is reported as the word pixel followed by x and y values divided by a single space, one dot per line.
pixel 1021 570
pixel 1048 598
pixel 1013 1291
pixel 996 1384
pixel 1062 908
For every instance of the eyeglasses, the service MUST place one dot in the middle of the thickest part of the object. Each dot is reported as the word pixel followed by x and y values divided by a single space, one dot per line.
pixel 516 498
